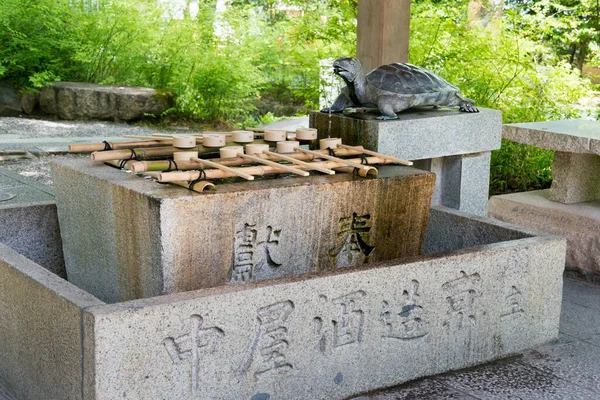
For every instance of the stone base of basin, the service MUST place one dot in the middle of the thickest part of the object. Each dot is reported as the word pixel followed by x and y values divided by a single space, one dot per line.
pixel 126 237
pixel 328 335
pixel 578 223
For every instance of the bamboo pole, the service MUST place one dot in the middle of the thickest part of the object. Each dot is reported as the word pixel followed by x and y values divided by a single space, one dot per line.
pixel 275 165
pixel 142 152
pixel 309 166
pixel 164 165
pixel 223 168
pixel 330 158
pixel 199 186
pixel 374 153
pixel 268 170
pixel 91 147
pixel 146 137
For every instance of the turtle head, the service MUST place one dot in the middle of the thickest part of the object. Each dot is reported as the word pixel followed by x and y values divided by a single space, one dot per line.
pixel 348 68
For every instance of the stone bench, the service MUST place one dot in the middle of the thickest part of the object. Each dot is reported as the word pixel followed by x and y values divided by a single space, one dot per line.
pixel 576 166
pixel 571 208
pixel 71 100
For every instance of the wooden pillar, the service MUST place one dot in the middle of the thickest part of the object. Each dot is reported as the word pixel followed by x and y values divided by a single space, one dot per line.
pixel 383 30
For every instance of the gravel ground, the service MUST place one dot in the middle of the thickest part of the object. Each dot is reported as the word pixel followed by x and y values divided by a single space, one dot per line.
pixel 36 128
pixel 37 168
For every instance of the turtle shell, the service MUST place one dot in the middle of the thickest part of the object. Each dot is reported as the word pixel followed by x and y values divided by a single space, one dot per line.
pixel 404 78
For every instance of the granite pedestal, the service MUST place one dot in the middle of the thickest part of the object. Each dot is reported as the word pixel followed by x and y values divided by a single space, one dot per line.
pixel 456 146
pixel 327 335
pixel 28 221
pixel 571 208
pixel 126 237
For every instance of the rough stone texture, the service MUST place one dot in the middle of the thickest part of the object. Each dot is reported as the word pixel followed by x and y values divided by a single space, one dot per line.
pixel 9 102
pixel 332 335
pixel 455 146
pixel 572 136
pixel 29 222
pixel 71 100
pixel 578 223
pixel 126 237
pixel 575 177
pixel 450 230
pixel 417 134
pixel 30 102
pixel 40 330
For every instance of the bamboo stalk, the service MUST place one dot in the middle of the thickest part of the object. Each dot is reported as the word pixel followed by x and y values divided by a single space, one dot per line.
pixel 268 170
pixel 330 158
pixel 275 165
pixel 298 162
pixel 374 153
pixel 146 137
pixel 142 152
pixel 163 165
pixel 199 186
pixel 223 168
pixel 91 147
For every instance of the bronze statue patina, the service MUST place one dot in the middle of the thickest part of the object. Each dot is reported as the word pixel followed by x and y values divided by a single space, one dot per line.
pixel 393 88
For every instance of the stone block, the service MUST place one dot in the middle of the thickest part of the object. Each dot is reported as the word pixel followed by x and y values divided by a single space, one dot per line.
pixel 575 177
pixel 126 237
pixel 9 102
pixel 455 146
pixel 417 134
pixel 330 335
pixel 327 335
pixel 571 136
pixel 578 223
pixel 462 182
pixel 29 222
pixel 71 100
pixel 40 330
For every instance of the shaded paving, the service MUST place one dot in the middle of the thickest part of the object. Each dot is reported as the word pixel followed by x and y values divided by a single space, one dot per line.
pixel 566 369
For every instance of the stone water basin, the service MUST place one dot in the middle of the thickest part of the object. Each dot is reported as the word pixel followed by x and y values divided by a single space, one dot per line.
pixel 481 290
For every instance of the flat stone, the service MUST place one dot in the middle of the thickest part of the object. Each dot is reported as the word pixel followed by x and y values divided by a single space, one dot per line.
pixel 331 335
pixel 126 237
pixel 573 136
pixel 30 222
pixel 70 100
pixel 575 177
pixel 578 223
pixel 40 330
pixel 417 134
pixel 575 321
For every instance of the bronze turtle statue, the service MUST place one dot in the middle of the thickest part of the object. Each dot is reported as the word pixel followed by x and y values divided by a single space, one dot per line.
pixel 394 87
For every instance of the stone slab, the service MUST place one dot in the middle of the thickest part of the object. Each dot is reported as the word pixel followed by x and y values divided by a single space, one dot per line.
pixel 578 223
pixel 417 134
pixel 40 330
pixel 29 222
pixel 126 237
pixel 330 335
pixel 574 136
pixel 575 177
pixel 73 100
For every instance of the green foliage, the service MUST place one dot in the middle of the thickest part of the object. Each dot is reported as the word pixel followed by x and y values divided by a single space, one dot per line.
pixel 518 167
pixel 499 67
